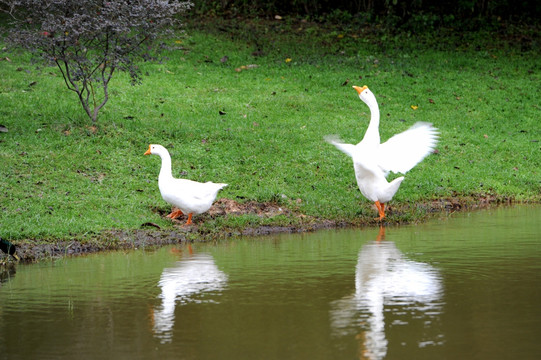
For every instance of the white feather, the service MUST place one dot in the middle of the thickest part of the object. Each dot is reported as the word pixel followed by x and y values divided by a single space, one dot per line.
pixel 403 151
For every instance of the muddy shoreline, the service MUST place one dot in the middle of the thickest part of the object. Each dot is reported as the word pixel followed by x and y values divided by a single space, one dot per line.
pixel 151 235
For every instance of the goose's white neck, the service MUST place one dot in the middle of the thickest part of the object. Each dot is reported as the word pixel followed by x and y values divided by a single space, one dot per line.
pixel 373 128
pixel 165 171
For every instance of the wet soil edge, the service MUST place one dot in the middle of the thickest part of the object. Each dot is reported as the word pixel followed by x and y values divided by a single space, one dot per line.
pixel 150 235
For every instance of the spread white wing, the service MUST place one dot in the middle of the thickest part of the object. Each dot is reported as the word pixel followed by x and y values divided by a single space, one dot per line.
pixel 405 150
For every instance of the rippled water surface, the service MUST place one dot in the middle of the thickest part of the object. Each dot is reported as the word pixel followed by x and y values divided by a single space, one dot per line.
pixel 464 287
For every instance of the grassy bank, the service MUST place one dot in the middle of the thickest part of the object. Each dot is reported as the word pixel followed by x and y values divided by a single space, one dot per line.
pixel 256 120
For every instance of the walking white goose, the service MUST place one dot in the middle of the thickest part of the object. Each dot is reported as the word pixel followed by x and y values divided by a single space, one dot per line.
pixel 373 161
pixel 190 197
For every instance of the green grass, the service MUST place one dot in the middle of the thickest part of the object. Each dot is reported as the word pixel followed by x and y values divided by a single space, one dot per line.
pixel 62 179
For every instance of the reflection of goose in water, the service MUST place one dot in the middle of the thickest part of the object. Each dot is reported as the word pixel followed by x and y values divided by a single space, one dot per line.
pixel 384 277
pixel 185 282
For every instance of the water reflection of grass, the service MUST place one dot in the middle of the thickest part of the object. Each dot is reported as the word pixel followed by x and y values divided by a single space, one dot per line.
pixel 260 129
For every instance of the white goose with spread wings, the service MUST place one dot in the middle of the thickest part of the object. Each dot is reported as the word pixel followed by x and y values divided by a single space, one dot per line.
pixel 372 161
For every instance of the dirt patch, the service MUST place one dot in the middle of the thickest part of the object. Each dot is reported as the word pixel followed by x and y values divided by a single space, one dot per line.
pixel 228 206
pixel 151 235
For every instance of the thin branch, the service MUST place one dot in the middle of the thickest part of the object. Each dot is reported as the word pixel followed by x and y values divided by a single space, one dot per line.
pixel 105 87
pixel 66 75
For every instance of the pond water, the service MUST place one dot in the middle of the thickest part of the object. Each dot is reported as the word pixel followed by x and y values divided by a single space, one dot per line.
pixel 466 286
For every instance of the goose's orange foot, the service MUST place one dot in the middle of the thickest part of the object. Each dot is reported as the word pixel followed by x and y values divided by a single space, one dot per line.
pixel 175 214
pixel 189 222
pixel 381 210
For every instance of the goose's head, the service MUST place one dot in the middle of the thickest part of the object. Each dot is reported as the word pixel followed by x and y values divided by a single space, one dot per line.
pixel 365 94
pixel 155 149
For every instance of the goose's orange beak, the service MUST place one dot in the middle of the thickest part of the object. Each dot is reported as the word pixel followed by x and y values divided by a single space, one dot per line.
pixel 360 89
pixel 148 151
